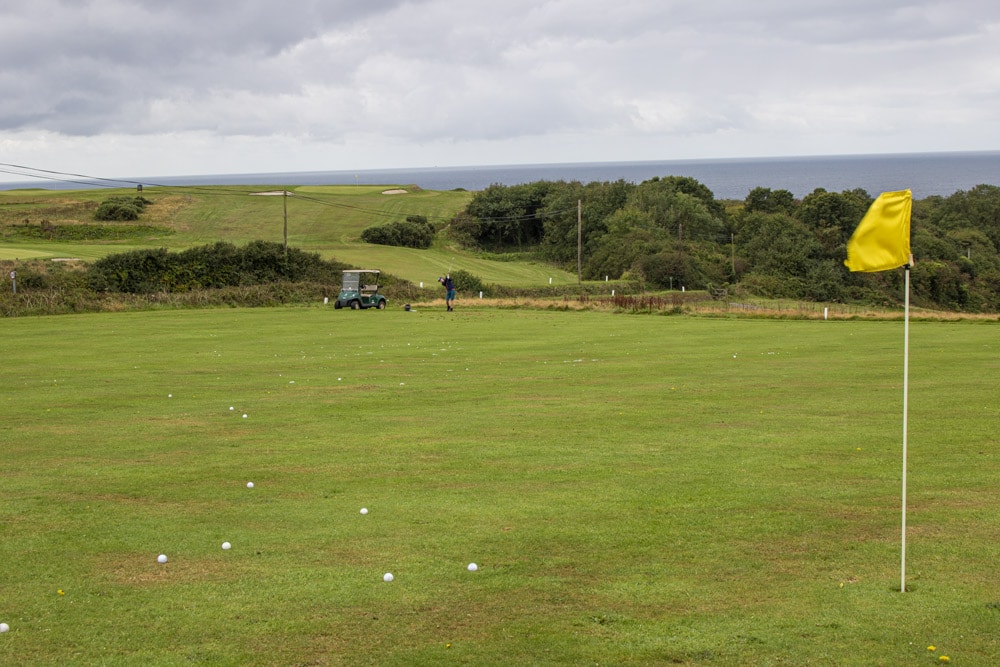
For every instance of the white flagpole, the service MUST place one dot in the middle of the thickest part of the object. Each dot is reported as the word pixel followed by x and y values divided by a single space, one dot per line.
pixel 906 387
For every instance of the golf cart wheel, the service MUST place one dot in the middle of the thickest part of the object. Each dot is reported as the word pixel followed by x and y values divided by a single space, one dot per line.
pixel 381 305
pixel 337 305
pixel 355 305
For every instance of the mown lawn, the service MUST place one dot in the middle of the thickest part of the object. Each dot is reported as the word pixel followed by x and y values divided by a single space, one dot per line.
pixel 634 489
pixel 324 219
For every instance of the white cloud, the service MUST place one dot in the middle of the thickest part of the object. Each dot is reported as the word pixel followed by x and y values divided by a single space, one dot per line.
pixel 185 87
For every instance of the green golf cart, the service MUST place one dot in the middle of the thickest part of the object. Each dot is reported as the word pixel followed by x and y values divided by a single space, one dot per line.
pixel 359 290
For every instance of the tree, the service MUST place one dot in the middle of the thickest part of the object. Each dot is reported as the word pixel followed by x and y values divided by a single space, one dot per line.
pixel 631 235
pixel 678 201
pixel 833 217
pixel 778 244
pixel 599 201
pixel 509 215
pixel 978 208
pixel 766 200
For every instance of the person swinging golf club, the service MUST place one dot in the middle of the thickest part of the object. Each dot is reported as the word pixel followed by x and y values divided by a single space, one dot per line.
pixel 449 286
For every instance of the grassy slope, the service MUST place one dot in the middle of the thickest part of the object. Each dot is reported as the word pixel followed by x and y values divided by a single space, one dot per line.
pixel 640 490
pixel 329 222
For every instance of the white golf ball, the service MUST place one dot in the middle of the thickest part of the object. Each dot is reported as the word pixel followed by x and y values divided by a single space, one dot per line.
pixel 244 415
pixel 364 510
pixel 162 558
pixel 4 627
pixel 473 567
pixel 227 546
pixel 231 408
pixel 249 485
pixel 170 395
pixel 387 576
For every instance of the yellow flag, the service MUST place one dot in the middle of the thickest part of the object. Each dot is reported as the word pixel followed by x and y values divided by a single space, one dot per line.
pixel 882 239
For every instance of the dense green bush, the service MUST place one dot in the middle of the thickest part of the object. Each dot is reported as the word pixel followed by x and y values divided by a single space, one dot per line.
pixel 213 266
pixel 466 282
pixel 121 209
pixel 415 232
pixel 84 232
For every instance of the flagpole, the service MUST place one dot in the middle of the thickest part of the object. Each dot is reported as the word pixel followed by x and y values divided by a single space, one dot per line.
pixel 906 392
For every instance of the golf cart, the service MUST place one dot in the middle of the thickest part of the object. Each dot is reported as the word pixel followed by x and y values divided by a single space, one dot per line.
pixel 359 289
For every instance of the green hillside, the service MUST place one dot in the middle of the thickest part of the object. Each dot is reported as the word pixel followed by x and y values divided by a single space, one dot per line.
pixel 323 219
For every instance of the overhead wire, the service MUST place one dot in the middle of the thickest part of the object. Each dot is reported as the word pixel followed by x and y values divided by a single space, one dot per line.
pixel 52 178
pixel 102 182
pixel 98 181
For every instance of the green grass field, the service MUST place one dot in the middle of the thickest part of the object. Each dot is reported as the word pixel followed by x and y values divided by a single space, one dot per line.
pixel 634 489
pixel 323 219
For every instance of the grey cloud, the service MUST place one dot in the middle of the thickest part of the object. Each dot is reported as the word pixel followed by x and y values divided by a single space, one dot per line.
pixel 458 71
pixel 54 56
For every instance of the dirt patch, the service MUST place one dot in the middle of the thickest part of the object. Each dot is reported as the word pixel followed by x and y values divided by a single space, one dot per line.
pixel 143 570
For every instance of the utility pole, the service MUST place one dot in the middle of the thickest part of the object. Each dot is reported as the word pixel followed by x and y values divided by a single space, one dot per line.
pixel 285 202
pixel 579 242
pixel 732 244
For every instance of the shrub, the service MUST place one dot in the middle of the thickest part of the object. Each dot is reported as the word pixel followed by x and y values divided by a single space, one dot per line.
pixel 120 209
pixel 416 232
pixel 213 266
pixel 466 282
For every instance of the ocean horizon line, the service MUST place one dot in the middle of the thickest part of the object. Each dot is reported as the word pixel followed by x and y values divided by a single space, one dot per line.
pixel 576 164
pixel 925 173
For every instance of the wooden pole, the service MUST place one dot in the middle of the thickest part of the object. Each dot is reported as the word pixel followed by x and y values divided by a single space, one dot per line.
pixel 579 242
pixel 732 244
pixel 285 202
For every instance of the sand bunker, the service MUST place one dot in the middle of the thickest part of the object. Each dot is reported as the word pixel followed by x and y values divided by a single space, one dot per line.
pixel 394 192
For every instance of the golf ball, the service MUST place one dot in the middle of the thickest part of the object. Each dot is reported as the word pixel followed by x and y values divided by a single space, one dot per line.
pixel 364 510
pixel 227 546
pixel 473 567
pixel 387 576
pixel 244 415
pixel 162 558
pixel 249 485
pixel 170 395
pixel 4 627
pixel 231 408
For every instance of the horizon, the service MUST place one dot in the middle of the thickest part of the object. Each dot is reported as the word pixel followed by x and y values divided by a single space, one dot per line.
pixel 371 86
pixel 40 175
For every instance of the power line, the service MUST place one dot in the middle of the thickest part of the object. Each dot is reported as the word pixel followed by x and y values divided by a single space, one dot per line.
pixel 102 182
pixel 53 178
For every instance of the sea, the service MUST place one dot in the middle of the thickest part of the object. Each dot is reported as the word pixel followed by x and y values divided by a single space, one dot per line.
pixel 925 174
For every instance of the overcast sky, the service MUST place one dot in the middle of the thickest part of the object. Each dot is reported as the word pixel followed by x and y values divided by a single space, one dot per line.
pixel 157 87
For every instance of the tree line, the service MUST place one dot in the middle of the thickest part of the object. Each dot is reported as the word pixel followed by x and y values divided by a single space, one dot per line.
pixel 670 232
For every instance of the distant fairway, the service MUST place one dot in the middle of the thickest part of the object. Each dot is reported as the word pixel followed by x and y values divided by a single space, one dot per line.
pixel 634 489
pixel 324 219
